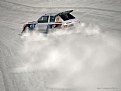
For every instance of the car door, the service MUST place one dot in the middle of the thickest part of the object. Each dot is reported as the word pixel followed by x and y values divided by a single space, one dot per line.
pixel 55 22
pixel 42 23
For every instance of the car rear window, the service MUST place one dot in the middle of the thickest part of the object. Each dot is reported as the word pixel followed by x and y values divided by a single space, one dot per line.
pixel 67 16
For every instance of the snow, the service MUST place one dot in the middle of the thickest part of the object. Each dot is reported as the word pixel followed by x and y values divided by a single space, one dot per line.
pixel 86 58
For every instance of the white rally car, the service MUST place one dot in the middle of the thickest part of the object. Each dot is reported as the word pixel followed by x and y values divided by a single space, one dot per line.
pixel 52 21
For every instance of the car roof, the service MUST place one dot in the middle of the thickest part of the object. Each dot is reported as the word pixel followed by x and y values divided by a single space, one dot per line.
pixel 50 14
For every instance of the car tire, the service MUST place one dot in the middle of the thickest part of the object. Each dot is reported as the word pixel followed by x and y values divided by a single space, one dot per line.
pixel 27 30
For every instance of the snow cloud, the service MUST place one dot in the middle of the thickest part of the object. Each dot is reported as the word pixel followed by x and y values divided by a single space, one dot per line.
pixel 79 58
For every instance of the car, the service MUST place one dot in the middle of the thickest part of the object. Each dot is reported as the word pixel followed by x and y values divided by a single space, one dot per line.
pixel 51 21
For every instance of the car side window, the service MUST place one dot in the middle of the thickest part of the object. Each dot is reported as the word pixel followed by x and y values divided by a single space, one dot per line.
pixel 58 19
pixel 43 19
pixel 52 19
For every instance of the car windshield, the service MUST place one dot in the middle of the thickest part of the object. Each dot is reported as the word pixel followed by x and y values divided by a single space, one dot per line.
pixel 67 16
pixel 43 19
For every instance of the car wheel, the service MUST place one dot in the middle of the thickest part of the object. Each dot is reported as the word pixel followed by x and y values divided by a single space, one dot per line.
pixel 27 30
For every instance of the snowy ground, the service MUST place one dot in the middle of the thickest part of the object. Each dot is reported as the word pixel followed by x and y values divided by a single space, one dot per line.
pixel 85 60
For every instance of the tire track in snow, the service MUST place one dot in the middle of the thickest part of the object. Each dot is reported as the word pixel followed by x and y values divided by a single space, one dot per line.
pixel 4 54
pixel 20 7
pixel 2 85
